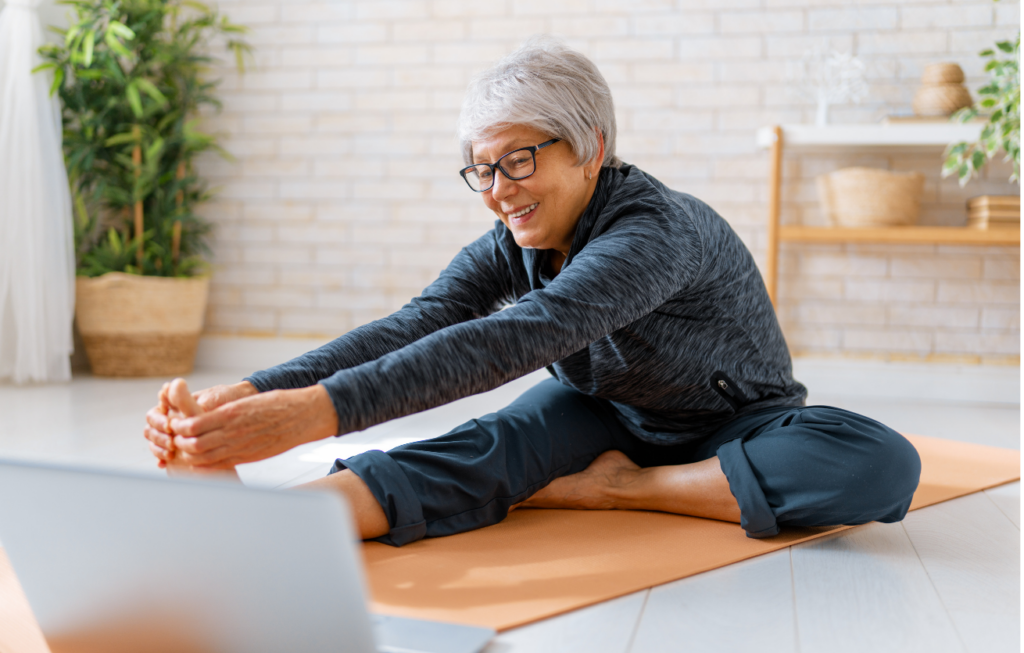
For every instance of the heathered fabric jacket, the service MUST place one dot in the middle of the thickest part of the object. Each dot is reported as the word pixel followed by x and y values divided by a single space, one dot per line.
pixel 658 309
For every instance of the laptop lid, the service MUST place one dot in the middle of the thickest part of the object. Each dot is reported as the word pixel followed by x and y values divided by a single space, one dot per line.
pixel 116 561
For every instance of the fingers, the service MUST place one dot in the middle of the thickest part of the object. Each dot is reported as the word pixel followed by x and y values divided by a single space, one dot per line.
pixel 158 436
pixel 219 458
pixel 158 419
pixel 161 453
pixel 204 446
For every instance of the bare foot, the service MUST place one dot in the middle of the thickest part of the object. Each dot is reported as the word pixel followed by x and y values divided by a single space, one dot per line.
pixel 180 399
pixel 598 487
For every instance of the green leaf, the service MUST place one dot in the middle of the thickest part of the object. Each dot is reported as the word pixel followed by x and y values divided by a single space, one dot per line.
pixel 1005 46
pixel 120 139
pixel 115 240
pixel 58 78
pixel 111 40
pixel 958 149
pixel 977 160
pixel 71 34
pixel 88 73
pixel 87 46
pixel 44 66
pixel 154 150
pixel 151 90
pixel 121 30
pixel 132 91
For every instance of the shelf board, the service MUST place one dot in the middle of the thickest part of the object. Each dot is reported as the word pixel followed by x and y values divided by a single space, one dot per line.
pixel 903 135
pixel 917 235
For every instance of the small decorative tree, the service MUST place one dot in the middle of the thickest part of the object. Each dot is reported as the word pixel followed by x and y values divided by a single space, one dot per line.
pixel 828 77
pixel 132 77
pixel 1001 97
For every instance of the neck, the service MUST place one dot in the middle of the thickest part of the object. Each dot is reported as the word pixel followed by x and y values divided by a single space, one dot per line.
pixel 556 258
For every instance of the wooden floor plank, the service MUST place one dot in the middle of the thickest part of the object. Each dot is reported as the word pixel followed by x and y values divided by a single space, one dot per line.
pixel 1007 499
pixel 972 555
pixel 745 606
pixel 866 590
pixel 603 628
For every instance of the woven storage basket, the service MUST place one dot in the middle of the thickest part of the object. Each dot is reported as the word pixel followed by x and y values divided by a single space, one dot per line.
pixel 868 197
pixel 140 326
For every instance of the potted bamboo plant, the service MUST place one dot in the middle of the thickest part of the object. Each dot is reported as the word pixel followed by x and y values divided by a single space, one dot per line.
pixel 132 76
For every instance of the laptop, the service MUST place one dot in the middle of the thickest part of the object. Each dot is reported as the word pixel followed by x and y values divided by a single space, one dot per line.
pixel 118 562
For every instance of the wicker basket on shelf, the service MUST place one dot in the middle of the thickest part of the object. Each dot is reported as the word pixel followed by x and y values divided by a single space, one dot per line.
pixel 869 197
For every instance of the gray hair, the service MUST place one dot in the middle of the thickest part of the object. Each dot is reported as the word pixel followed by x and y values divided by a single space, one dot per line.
pixel 548 86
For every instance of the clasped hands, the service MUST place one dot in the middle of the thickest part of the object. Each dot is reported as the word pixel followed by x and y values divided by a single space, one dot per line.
pixel 214 430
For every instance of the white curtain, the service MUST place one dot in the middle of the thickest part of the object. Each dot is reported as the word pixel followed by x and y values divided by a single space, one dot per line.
pixel 37 261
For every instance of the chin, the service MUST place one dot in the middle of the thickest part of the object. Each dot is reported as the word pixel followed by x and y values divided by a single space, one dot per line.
pixel 528 241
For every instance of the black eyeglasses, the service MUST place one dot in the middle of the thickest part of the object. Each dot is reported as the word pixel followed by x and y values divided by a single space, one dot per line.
pixel 515 165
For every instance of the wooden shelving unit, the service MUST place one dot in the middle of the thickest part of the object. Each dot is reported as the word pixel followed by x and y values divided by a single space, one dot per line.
pixel 903 235
pixel 900 136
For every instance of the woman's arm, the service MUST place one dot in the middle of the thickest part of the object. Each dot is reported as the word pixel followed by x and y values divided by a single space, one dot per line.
pixel 473 285
pixel 615 280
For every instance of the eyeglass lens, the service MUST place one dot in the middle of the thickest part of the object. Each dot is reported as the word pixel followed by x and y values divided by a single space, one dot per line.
pixel 516 165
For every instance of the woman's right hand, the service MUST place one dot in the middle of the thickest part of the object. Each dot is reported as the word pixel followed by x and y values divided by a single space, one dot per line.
pixel 157 430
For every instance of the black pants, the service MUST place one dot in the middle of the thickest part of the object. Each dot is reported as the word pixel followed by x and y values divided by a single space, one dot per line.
pixel 802 466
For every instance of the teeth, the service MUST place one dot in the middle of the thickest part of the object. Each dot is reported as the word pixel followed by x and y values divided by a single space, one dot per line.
pixel 524 211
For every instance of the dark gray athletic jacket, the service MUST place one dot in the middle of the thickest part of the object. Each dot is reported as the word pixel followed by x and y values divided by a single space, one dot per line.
pixel 658 309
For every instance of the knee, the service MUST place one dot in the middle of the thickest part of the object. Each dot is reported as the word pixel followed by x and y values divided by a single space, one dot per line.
pixel 878 477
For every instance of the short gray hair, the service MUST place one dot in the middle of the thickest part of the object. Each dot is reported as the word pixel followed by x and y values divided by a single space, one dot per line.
pixel 548 86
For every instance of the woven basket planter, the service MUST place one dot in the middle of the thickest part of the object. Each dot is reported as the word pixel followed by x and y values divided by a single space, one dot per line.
pixel 136 326
pixel 868 197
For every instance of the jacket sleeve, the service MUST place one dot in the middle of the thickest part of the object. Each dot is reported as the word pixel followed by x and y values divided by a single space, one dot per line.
pixel 614 280
pixel 475 284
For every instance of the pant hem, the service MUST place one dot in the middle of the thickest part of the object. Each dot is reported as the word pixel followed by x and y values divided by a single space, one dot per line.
pixel 756 516
pixel 391 487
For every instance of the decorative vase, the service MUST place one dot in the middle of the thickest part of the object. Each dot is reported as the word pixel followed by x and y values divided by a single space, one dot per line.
pixel 135 326
pixel 942 91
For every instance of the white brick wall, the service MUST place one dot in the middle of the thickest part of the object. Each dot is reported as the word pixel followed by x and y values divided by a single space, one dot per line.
pixel 344 200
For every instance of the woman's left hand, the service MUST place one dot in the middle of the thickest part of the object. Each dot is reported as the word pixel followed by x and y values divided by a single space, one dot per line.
pixel 254 428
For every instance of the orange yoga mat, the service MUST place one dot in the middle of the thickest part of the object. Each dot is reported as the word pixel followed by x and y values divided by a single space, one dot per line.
pixel 539 563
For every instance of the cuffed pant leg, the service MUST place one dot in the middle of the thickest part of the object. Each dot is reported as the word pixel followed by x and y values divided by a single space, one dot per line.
pixel 469 477
pixel 820 466
pixel 393 492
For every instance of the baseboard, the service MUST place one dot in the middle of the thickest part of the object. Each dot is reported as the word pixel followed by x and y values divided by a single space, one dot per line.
pixel 825 377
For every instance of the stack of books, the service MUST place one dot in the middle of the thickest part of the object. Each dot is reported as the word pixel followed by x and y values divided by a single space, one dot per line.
pixel 993 211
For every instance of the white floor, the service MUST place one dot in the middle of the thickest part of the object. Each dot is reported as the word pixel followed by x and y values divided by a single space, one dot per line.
pixel 945 579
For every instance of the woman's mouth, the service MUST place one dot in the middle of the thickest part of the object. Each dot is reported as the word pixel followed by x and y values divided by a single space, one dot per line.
pixel 521 216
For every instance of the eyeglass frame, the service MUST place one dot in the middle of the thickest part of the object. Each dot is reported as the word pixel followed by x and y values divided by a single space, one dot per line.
pixel 532 149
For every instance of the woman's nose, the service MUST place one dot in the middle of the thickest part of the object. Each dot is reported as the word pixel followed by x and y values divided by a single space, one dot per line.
pixel 503 186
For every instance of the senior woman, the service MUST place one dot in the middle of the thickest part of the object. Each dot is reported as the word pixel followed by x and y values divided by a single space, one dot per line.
pixel 672 387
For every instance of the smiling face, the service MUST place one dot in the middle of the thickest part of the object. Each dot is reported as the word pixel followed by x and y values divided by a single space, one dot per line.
pixel 542 210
